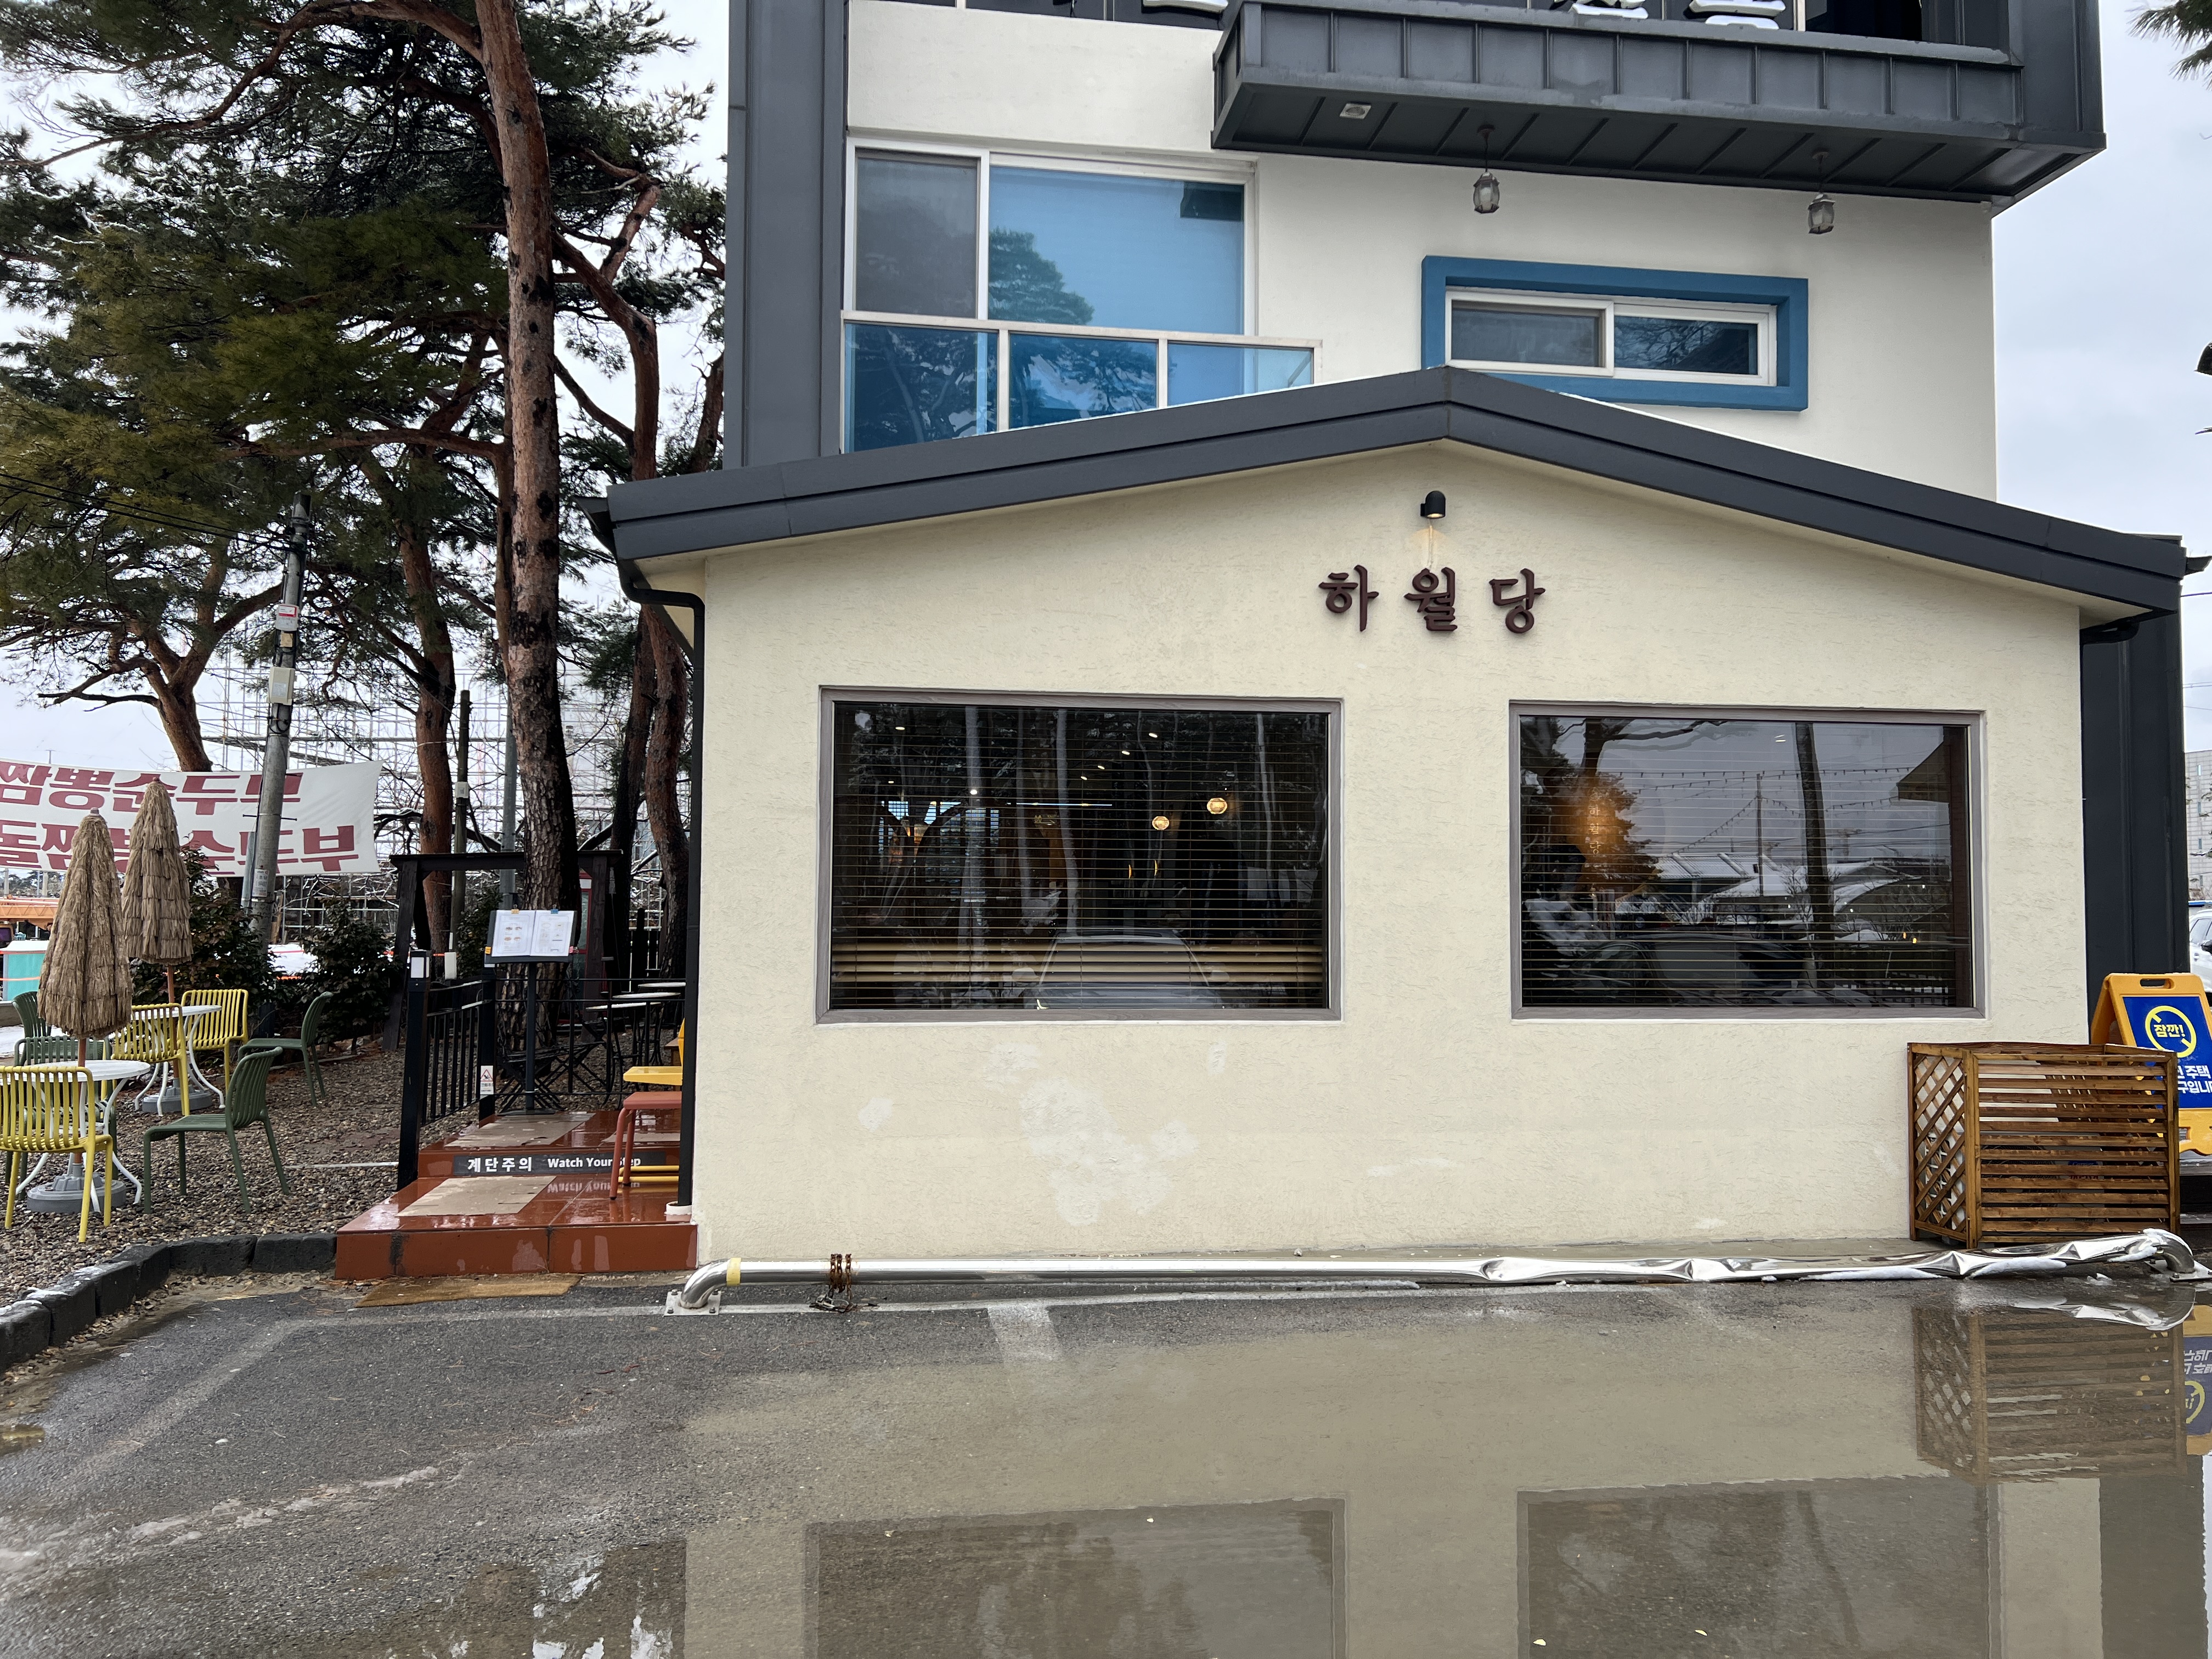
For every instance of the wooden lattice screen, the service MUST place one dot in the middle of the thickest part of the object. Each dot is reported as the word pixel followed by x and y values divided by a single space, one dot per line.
pixel 2014 1143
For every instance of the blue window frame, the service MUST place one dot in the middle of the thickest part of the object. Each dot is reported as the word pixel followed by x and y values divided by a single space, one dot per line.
pixel 1559 340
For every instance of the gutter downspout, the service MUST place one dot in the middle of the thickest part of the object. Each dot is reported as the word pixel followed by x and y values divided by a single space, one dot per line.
pixel 635 587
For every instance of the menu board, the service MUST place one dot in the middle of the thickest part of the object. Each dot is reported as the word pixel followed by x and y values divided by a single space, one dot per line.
pixel 531 935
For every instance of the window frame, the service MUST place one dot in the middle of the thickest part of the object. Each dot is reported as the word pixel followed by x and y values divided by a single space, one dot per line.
pixel 1976 1008
pixel 984 159
pixel 1610 308
pixel 1784 382
pixel 828 697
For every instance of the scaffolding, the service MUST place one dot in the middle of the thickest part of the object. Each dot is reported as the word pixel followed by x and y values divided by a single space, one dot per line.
pixel 335 724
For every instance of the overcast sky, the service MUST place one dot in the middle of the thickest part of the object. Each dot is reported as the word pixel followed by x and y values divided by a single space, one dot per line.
pixel 2102 309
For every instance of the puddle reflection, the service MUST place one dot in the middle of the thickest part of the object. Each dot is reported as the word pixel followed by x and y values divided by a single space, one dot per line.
pixel 1600 1477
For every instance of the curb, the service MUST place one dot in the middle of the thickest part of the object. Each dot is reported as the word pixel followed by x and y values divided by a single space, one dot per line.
pixel 53 1314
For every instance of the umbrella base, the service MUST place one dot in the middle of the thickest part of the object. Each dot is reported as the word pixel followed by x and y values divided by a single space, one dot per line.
pixel 63 1195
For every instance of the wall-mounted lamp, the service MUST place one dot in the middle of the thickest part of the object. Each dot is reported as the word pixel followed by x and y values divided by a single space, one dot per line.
pixel 1820 212
pixel 1217 805
pixel 1487 191
pixel 1432 504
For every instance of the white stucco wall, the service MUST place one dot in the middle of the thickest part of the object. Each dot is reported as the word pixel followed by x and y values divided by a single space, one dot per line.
pixel 1902 350
pixel 1426 1114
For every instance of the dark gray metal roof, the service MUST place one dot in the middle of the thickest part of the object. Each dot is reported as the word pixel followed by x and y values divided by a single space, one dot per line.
pixel 2007 102
pixel 750 505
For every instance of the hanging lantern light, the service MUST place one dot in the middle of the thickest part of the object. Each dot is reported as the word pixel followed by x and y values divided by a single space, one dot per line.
pixel 1487 191
pixel 1820 212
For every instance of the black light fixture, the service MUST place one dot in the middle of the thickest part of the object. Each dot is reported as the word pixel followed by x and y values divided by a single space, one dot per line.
pixel 1432 504
pixel 1820 212
pixel 2205 360
pixel 1487 191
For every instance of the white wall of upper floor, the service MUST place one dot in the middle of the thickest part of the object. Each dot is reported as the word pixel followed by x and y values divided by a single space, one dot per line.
pixel 1901 356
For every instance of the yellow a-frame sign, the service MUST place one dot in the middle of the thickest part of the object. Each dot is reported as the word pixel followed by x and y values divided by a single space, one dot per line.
pixel 2167 1012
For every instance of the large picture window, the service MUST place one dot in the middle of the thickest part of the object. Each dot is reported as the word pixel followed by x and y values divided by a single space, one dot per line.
pixel 1684 860
pixel 1084 292
pixel 1076 860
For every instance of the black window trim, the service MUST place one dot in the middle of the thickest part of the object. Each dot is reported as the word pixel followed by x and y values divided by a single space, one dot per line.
pixel 1977 842
pixel 828 696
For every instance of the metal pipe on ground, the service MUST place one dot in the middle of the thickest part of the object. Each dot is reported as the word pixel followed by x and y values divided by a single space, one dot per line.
pixel 2152 1246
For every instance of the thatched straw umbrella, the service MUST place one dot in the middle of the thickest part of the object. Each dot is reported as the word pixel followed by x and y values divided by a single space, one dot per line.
pixel 85 987
pixel 157 889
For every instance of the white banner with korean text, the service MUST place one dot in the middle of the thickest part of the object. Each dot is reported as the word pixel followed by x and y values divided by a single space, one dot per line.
pixel 329 818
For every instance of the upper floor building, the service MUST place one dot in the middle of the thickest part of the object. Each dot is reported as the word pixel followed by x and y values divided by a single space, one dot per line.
pixel 974 216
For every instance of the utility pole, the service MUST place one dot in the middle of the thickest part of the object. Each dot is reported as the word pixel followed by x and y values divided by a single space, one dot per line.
pixel 457 903
pixel 277 756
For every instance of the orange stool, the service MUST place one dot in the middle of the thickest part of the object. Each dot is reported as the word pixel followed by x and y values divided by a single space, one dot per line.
pixel 649 1103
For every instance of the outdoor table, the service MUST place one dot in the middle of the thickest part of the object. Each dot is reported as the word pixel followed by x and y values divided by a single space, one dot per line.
pixel 67 1189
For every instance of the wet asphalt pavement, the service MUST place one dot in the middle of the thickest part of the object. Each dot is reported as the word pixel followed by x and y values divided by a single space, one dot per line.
pixel 1768 1472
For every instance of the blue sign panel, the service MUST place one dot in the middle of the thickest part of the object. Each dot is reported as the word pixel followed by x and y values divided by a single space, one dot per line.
pixel 2176 1023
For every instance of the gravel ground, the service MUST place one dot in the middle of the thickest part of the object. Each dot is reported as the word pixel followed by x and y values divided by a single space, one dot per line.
pixel 359 1124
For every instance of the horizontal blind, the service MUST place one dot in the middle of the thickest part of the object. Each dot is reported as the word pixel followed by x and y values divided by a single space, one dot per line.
pixel 1078 858
pixel 1691 861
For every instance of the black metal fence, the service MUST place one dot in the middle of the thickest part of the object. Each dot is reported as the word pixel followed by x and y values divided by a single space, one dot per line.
pixel 451 1034
pixel 526 1038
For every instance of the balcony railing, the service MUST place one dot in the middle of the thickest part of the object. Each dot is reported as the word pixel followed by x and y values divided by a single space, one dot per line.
pixel 1992 99
pixel 914 380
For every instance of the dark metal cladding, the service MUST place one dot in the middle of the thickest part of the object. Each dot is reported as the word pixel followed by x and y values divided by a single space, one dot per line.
pixel 2003 98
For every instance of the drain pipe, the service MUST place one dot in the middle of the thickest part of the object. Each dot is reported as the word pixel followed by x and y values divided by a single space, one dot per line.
pixel 638 592
pixel 702 1291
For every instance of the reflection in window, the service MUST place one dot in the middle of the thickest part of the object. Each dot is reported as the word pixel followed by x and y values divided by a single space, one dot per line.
pixel 1115 250
pixel 915 241
pixel 1072 378
pixel 1554 337
pixel 1685 345
pixel 1080 859
pixel 1687 861
pixel 912 386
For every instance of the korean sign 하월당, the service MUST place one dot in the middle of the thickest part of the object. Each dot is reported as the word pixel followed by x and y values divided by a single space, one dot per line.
pixel 329 819
pixel 1435 598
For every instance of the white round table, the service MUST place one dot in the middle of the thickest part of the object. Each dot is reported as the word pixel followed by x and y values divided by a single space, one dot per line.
pixel 65 1192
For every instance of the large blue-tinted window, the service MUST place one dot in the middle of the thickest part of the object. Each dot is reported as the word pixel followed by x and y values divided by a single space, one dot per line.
pixel 912 386
pixel 1116 252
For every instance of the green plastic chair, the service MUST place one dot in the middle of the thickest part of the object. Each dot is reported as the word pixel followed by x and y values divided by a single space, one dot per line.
pixel 247 1103
pixel 302 1045
pixel 27 1006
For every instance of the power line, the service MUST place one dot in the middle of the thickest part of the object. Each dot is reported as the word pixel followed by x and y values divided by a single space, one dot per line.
pixel 143 515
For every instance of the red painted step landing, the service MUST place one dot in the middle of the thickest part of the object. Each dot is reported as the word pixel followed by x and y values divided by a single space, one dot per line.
pixel 571 1227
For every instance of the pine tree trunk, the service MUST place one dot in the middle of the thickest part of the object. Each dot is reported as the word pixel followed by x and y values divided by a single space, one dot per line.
pixel 532 643
pixel 434 691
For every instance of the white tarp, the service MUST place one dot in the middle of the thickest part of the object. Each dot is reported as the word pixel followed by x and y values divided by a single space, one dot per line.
pixel 329 820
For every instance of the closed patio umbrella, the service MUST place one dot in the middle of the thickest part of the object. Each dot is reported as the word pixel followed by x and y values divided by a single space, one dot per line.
pixel 157 897
pixel 84 987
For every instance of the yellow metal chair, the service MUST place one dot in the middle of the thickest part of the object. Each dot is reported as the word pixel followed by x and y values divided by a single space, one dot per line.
pixel 49 1109
pixel 159 1034
pixel 224 1030
pixel 660 1077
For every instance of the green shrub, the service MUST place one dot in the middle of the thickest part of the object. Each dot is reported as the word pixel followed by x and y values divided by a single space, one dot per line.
pixel 353 963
